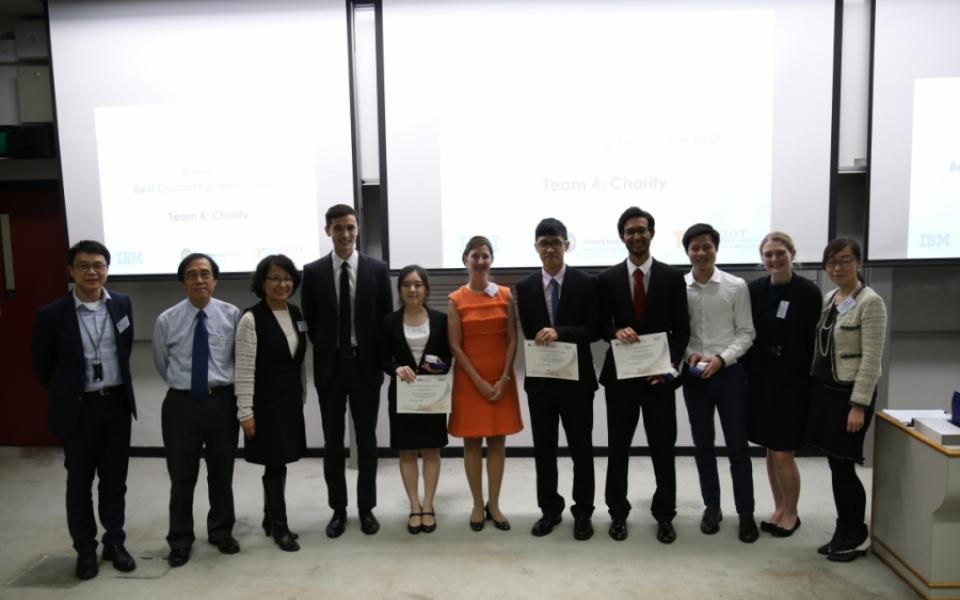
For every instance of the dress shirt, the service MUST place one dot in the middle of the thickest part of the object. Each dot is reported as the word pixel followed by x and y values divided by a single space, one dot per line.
pixel 644 268
pixel 173 342
pixel 93 318
pixel 246 358
pixel 721 322
pixel 353 261
pixel 547 278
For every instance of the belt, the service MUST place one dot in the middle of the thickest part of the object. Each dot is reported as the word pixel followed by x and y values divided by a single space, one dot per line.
pixel 105 391
pixel 211 390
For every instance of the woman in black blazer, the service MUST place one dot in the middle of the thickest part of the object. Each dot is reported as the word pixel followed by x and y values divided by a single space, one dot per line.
pixel 415 342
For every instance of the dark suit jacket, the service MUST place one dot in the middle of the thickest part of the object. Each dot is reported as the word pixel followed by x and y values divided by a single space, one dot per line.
pixel 58 358
pixel 576 323
pixel 373 301
pixel 666 310
pixel 396 352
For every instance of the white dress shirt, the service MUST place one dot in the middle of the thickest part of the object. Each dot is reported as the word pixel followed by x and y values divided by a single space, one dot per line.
pixel 721 323
pixel 644 268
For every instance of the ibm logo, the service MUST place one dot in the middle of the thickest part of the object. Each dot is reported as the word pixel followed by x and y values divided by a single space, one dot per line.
pixel 935 240
pixel 130 258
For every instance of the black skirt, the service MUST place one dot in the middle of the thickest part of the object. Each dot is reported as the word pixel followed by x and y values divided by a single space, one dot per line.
pixel 827 423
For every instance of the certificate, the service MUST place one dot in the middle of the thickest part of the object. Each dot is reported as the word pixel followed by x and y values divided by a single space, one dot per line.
pixel 428 394
pixel 556 360
pixel 649 356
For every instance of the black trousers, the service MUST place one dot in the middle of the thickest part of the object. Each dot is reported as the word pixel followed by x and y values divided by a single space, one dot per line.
pixel 99 447
pixel 625 400
pixel 190 430
pixel 350 384
pixel 575 411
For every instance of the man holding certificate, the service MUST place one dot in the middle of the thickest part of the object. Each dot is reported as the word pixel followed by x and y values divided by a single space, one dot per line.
pixel 640 297
pixel 558 308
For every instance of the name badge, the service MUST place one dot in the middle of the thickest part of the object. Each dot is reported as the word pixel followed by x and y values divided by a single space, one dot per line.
pixel 846 305
pixel 123 324
pixel 782 309
pixel 302 326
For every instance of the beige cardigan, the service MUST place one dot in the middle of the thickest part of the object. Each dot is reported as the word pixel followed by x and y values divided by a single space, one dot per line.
pixel 858 338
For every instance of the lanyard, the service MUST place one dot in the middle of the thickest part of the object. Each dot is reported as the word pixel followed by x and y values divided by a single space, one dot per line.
pixel 95 343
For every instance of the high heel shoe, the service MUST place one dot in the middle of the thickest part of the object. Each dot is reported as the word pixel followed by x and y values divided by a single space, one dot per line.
pixel 478 525
pixel 503 525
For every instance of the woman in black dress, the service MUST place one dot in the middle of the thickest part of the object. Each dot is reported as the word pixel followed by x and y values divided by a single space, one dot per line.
pixel 785 311
pixel 415 342
pixel 270 387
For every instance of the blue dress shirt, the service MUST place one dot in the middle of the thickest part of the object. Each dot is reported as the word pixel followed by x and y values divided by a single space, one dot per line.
pixel 173 342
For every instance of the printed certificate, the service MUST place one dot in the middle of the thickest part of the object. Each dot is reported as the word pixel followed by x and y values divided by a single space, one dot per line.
pixel 556 360
pixel 649 356
pixel 428 394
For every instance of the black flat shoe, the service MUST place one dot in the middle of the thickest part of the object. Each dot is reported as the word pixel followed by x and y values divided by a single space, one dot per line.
pixel 618 529
pixel 268 529
pixel 767 526
pixel 415 529
pixel 118 555
pixel 178 556
pixel 87 567
pixel 428 528
pixel 666 534
pixel 748 533
pixel 545 525
pixel 503 525
pixel 368 523
pixel 338 522
pixel 710 523
pixel 227 545
pixel 582 528
pixel 780 532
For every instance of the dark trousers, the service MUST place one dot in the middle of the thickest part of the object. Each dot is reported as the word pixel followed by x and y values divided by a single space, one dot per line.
pixel 848 493
pixel 624 402
pixel 725 393
pixel 350 384
pixel 575 410
pixel 189 430
pixel 100 446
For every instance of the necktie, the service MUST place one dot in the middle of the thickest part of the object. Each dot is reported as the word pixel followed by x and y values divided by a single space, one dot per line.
pixel 639 295
pixel 201 356
pixel 343 310
pixel 554 301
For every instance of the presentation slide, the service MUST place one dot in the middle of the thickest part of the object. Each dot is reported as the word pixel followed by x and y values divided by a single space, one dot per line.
pixel 216 126
pixel 915 142
pixel 499 114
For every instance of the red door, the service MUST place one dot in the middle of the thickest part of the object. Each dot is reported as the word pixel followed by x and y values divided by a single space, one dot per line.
pixel 34 272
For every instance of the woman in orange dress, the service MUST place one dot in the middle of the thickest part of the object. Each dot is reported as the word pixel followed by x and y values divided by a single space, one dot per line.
pixel 483 339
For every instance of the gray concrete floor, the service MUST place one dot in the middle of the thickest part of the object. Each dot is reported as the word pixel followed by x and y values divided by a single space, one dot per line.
pixel 36 560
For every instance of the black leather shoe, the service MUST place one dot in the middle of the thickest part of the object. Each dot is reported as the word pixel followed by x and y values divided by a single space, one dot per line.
pixel 503 525
pixel 666 534
pixel 178 556
pixel 782 533
pixel 828 547
pixel 227 545
pixel 338 522
pixel 545 525
pixel 122 561
pixel 428 528
pixel 582 528
pixel 767 526
pixel 850 545
pixel 748 529
pixel 618 529
pixel 87 567
pixel 710 523
pixel 415 529
pixel 368 523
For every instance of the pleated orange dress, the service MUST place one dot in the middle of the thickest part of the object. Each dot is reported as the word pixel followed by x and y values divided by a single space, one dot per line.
pixel 483 323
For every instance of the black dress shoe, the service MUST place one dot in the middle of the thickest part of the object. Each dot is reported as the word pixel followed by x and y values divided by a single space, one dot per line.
pixel 503 525
pixel 710 523
pixel 227 545
pixel 478 525
pixel 178 556
pixel 428 528
pixel 415 529
pixel 748 529
pixel 782 533
pixel 618 529
pixel 338 522
pixel 368 523
pixel 122 561
pixel 87 567
pixel 545 525
pixel 582 528
pixel 666 534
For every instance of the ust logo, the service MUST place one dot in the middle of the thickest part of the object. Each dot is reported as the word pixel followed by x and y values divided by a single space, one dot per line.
pixel 130 258
pixel 935 240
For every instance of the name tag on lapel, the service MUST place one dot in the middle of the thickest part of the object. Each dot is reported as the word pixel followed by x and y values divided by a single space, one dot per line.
pixel 123 324
pixel 302 326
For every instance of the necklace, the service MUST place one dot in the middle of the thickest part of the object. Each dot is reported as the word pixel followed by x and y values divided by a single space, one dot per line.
pixel 825 333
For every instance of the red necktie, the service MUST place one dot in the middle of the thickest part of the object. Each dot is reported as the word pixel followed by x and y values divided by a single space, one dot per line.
pixel 639 295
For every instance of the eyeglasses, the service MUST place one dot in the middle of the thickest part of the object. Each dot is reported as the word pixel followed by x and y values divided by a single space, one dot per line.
pixel 416 285
pixel 198 275
pixel 280 279
pixel 845 261
pixel 83 267
pixel 555 243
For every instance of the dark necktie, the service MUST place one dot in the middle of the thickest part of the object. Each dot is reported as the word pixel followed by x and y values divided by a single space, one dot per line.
pixel 554 301
pixel 639 295
pixel 343 330
pixel 201 355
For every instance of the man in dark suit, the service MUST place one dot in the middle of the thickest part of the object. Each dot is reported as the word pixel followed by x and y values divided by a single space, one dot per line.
pixel 345 296
pixel 559 304
pixel 81 355
pixel 642 296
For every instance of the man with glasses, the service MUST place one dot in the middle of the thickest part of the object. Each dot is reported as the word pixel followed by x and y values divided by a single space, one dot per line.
pixel 193 351
pixel 559 304
pixel 81 355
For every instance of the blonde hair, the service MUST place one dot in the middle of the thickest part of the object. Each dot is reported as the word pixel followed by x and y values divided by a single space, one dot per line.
pixel 783 238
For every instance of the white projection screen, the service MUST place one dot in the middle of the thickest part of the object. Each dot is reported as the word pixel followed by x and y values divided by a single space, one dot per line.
pixel 501 112
pixel 915 142
pixel 219 126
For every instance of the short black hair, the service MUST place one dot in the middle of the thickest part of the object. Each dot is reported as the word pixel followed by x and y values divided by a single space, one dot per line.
pixel 420 271
pixel 700 229
pixel 838 245
pixel 181 270
pixel 87 247
pixel 476 242
pixel 339 210
pixel 263 267
pixel 634 213
pixel 551 227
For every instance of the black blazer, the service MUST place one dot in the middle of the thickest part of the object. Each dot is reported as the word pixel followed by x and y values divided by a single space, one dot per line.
pixel 58 358
pixel 395 352
pixel 373 301
pixel 666 310
pixel 576 323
